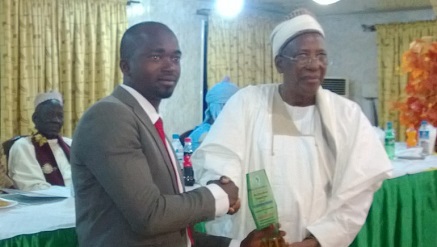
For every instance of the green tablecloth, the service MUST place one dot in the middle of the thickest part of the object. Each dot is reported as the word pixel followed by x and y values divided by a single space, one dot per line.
pixel 403 214
pixel 58 238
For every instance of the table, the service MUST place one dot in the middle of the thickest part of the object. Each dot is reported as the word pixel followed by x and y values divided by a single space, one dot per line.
pixel 57 238
pixel 44 222
pixel 403 213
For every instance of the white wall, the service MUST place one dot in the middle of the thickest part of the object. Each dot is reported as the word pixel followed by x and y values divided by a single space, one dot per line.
pixel 353 51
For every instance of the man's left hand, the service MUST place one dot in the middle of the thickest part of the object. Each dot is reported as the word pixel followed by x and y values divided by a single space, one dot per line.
pixel 306 243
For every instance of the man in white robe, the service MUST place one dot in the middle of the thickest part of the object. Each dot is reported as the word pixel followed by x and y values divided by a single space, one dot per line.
pixel 40 160
pixel 320 153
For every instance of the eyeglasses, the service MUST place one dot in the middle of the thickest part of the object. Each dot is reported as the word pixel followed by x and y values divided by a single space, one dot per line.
pixel 305 59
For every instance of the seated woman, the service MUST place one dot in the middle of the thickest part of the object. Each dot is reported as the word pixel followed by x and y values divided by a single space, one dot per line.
pixel 42 159
pixel 215 98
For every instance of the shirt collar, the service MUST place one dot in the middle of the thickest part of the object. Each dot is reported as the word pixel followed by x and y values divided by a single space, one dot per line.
pixel 144 103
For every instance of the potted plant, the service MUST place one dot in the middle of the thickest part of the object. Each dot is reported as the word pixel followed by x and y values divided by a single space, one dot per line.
pixel 420 100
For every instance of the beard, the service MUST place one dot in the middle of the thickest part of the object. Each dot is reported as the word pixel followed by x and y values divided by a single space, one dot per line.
pixel 165 93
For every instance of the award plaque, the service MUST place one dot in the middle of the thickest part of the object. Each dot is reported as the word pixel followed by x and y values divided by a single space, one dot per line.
pixel 262 205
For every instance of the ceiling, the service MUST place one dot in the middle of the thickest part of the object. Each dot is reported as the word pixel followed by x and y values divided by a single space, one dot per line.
pixel 341 7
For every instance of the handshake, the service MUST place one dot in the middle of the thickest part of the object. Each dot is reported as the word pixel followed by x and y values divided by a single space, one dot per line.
pixel 232 190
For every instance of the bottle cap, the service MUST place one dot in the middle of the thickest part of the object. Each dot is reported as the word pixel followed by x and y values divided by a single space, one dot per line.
pixel 424 122
pixel 389 125
pixel 187 139
pixel 175 136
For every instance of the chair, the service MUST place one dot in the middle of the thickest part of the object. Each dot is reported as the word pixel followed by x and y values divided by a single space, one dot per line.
pixel 7 145
pixel 5 180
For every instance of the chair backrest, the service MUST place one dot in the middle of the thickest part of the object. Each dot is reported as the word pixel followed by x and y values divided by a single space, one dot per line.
pixel 8 144
pixel 5 180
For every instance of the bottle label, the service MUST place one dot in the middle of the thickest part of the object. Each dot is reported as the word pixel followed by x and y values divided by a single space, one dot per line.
pixel 389 141
pixel 187 160
pixel 390 147
pixel 424 134
pixel 189 176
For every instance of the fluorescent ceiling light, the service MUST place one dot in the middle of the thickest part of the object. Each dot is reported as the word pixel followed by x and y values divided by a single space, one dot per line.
pixel 229 8
pixel 325 2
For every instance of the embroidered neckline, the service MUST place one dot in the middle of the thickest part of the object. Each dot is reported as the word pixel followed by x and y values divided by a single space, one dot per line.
pixel 39 138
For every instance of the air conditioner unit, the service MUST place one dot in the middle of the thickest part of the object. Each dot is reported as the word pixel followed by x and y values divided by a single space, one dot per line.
pixel 337 85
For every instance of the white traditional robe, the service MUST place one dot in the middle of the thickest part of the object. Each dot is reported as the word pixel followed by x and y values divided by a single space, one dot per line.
pixel 25 170
pixel 323 183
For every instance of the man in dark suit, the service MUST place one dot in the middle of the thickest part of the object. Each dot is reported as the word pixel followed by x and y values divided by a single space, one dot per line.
pixel 127 184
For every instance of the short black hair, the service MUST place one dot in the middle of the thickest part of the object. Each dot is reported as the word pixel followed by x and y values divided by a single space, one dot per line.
pixel 136 35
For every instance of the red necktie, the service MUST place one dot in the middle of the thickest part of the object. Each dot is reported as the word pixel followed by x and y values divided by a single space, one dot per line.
pixel 159 125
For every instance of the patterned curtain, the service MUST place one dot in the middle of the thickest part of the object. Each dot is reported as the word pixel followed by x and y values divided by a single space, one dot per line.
pixel 65 45
pixel 392 41
pixel 434 5
pixel 240 48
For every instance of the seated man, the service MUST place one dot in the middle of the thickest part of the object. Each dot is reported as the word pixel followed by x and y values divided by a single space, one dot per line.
pixel 215 98
pixel 42 159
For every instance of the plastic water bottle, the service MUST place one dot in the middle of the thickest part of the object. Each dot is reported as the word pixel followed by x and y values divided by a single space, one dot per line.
pixel 179 150
pixel 188 166
pixel 411 134
pixel 424 140
pixel 389 140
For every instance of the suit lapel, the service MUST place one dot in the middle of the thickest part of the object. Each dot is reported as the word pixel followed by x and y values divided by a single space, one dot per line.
pixel 125 97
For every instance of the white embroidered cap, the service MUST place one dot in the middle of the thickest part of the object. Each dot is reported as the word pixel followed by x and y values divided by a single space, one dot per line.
pixel 299 21
pixel 42 97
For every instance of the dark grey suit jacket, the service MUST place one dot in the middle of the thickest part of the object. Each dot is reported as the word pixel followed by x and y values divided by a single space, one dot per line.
pixel 125 188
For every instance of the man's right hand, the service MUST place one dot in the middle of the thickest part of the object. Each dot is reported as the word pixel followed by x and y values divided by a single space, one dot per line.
pixel 232 190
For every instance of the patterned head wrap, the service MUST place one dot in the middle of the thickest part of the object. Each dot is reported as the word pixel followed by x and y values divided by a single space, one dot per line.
pixel 217 97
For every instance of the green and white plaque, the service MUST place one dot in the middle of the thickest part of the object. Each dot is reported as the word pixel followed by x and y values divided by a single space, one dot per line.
pixel 262 204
